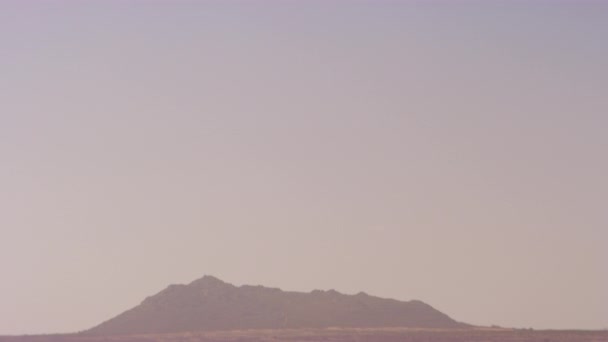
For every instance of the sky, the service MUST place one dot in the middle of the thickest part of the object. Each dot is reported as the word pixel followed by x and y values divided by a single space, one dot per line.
pixel 448 151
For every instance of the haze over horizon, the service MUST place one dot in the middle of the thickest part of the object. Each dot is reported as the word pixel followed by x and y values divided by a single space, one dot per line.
pixel 450 152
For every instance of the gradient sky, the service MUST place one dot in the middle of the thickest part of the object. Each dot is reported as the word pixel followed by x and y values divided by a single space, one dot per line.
pixel 452 152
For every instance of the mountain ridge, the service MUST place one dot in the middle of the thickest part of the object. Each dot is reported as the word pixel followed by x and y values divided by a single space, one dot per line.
pixel 208 304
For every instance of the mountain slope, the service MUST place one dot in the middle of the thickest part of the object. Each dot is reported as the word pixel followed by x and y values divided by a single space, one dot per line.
pixel 211 304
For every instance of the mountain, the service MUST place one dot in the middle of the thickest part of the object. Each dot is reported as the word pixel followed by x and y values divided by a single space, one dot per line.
pixel 210 304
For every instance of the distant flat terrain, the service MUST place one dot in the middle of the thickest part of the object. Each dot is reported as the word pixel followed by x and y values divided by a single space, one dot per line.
pixel 340 335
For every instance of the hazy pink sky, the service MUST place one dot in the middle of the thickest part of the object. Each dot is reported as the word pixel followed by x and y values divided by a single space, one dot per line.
pixel 449 152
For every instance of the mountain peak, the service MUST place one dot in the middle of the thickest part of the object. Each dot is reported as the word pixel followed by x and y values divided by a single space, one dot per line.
pixel 209 303
pixel 209 280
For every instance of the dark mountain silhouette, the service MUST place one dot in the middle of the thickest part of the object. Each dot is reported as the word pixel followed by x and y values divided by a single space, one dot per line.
pixel 211 304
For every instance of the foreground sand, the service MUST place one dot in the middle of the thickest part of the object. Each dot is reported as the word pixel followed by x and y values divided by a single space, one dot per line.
pixel 339 335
